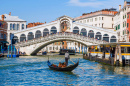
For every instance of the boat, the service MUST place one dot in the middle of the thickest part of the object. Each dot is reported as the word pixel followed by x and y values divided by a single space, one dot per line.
pixel 68 68
pixel 63 51
pixel 44 53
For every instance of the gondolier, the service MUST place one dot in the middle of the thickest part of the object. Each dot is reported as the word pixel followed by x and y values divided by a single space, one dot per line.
pixel 67 57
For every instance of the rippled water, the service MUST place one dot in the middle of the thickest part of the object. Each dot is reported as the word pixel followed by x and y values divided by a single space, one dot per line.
pixel 33 70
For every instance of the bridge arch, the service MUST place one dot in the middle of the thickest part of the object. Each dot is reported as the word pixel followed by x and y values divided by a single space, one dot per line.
pixel 22 37
pixel 38 34
pixel 91 34
pixel 53 30
pixel 30 36
pixel 53 41
pixel 113 39
pixel 106 37
pixel 83 32
pixel 45 32
pixel 76 30
pixel 98 36
pixel 15 39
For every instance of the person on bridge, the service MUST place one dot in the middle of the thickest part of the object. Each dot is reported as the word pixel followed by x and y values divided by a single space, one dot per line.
pixel 67 57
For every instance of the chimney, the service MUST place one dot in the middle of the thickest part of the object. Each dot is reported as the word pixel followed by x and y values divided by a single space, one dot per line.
pixel 10 13
pixel 125 3
pixel 2 17
pixel 119 7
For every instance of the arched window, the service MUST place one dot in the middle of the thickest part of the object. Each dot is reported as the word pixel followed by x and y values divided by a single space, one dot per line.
pixel 76 30
pixel 14 26
pixel 113 39
pixel 22 38
pixel 53 30
pixel 106 37
pixel 91 34
pixel 17 26
pixel 45 32
pixel 15 40
pixel 11 26
pixel 38 34
pixel 98 36
pixel 22 26
pixel 30 36
pixel 83 32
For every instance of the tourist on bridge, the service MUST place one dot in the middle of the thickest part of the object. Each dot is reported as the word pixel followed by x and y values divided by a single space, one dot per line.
pixel 67 57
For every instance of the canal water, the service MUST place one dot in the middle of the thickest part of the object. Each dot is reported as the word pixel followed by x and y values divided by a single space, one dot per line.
pixel 33 70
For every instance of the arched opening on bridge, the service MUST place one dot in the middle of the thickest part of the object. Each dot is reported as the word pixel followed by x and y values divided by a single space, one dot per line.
pixel 83 32
pixel 106 37
pixel 22 38
pixel 65 25
pixel 53 30
pixel 30 36
pixel 98 36
pixel 113 39
pixel 15 40
pixel 38 34
pixel 91 34
pixel 76 30
pixel 45 32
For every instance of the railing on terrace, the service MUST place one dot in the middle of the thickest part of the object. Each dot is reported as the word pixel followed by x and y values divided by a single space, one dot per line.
pixel 60 36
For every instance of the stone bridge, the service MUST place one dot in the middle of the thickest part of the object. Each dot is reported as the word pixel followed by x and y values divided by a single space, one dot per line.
pixel 32 47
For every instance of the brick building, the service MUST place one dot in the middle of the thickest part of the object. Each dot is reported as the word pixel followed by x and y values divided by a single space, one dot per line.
pixel 3 34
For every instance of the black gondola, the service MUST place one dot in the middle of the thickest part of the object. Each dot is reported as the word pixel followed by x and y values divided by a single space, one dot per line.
pixel 68 68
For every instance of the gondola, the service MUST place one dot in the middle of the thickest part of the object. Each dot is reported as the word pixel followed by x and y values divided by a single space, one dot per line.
pixel 68 68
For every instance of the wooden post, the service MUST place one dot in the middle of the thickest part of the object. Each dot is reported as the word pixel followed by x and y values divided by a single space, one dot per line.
pixel 120 56
pixel 115 58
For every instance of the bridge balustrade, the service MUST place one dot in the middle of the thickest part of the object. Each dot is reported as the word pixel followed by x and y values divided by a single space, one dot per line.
pixel 60 36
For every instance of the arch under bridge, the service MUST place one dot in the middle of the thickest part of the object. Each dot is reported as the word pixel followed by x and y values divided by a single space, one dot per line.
pixel 32 47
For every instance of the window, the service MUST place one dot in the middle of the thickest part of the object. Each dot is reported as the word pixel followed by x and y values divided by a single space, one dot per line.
pixel 123 24
pixel 14 26
pixel 84 21
pixel 22 26
pixel 127 25
pixel 119 26
pixel 88 20
pixel 128 16
pixel 11 26
pixel 17 26
pixel 112 25
pixel 112 19
pixel 116 27
pixel 123 32
pixel 123 17
pixel 102 18
pixel 102 25
pixel 95 19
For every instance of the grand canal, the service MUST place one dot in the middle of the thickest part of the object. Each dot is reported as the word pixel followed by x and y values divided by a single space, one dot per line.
pixel 33 70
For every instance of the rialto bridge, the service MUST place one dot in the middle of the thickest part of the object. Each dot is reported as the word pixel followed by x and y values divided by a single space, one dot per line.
pixel 31 40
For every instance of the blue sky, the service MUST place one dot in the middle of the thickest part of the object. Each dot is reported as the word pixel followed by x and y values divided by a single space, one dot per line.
pixel 49 10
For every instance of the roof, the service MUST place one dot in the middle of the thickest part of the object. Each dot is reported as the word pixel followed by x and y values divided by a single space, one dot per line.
pixel 11 18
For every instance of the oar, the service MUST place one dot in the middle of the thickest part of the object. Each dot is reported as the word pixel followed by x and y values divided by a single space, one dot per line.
pixel 79 66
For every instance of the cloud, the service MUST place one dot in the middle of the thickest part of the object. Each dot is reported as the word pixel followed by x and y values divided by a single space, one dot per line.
pixel 96 3
pixel 88 3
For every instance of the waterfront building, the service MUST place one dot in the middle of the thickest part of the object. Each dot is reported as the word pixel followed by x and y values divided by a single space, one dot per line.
pixel 14 23
pixel 3 34
pixel 121 23
pixel 103 18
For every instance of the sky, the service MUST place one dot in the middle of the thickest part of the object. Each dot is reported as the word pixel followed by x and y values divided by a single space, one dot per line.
pixel 50 10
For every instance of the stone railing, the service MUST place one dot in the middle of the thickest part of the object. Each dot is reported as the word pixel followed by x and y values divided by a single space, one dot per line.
pixel 60 36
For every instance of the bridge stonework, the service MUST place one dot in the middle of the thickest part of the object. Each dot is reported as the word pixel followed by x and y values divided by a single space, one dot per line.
pixel 32 47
